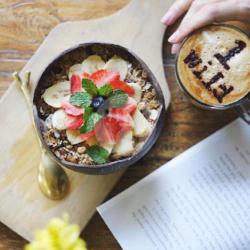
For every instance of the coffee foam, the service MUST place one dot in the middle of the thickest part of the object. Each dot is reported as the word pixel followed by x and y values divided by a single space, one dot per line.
pixel 206 43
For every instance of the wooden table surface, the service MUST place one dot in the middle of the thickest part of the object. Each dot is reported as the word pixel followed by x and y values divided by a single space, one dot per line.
pixel 23 26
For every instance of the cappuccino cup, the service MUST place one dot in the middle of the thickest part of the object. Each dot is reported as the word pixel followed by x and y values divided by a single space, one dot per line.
pixel 213 68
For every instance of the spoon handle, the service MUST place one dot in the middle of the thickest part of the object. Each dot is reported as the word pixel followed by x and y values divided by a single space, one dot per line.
pixel 25 85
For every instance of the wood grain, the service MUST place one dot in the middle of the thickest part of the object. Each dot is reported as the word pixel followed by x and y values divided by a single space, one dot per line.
pixel 23 26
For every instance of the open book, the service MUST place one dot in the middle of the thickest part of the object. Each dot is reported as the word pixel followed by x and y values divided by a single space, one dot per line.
pixel 199 200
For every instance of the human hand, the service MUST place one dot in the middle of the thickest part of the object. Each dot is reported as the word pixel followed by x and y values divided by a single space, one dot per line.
pixel 202 12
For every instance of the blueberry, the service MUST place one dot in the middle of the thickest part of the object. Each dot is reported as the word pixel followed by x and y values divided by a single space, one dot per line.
pixel 97 102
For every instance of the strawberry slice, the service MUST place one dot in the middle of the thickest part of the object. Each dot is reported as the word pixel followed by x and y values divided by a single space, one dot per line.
pixel 75 84
pixel 129 107
pixel 107 130
pixel 118 84
pixel 70 109
pixel 122 117
pixel 111 128
pixel 101 77
pixel 87 135
pixel 74 122
pixel 86 75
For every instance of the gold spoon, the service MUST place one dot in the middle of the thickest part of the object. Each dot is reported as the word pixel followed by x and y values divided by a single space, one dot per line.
pixel 52 179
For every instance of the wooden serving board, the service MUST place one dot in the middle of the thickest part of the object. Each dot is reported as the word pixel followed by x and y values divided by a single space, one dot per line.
pixel 22 206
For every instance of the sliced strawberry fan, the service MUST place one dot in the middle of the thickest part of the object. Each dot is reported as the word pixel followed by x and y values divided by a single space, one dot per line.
pixel 110 128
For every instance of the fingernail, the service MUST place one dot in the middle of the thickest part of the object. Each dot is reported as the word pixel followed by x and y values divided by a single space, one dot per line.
pixel 174 37
pixel 167 18
pixel 174 49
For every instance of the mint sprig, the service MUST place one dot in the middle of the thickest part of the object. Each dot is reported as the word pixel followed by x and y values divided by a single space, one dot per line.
pixel 87 112
pixel 81 99
pixel 118 98
pixel 90 123
pixel 89 87
pixel 105 90
pixel 98 154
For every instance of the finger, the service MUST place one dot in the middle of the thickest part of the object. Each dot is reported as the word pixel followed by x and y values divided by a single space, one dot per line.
pixel 205 16
pixel 175 48
pixel 175 11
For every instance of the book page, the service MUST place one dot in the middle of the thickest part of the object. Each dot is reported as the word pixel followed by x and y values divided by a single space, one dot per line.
pixel 199 200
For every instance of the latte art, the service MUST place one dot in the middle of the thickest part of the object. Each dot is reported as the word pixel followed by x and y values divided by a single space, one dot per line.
pixel 214 65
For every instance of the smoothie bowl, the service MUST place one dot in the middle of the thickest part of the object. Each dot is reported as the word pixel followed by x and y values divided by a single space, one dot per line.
pixel 98 108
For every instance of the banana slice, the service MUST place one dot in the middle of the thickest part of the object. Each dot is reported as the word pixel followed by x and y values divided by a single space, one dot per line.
pixel 119 65
pixel 125 146
pixel 92 64
pixel 59 120
pixel 74 136
pixel 141 125
pixel 138 91
pixel 55 94
pixel 75 69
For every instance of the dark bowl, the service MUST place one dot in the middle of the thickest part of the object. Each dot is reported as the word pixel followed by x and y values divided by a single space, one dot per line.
pixel 76 55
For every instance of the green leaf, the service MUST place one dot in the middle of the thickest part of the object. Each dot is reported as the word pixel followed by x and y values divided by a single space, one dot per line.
pixel 81 99
pixel 105 90
pixel 90 123
pixel 118 98
pixel 87 112
pixel 98 154
pixel 89 87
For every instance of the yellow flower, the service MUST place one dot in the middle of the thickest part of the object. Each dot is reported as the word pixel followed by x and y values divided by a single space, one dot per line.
pixel 59 235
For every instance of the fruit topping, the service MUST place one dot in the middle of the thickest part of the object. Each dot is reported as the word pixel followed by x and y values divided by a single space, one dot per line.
pixel 108 130
pixel 75 70
pixel 90 123
pixel 137 91
pixel 129 107
pixel 118 84
pixel 103 76
pixel 88 135
pixel 125 146
pixel 123 118
pixel 97 102
pixel 141 125
pixel 74 136
pixel 71 109
pixel 55 94
pixel 59 120
pixel 74 122
pixel 75 84
pixel 92 64
pixel 117 64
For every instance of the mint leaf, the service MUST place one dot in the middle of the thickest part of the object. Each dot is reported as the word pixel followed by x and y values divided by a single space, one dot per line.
pixel 118 98
pixel 90 123
pixel 98 154
pixel 87 112
pixel 105 90
pixel 81 99
pixel 89 86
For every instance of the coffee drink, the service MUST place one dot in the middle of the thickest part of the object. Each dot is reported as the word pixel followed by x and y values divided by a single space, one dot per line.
pixel 213 65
